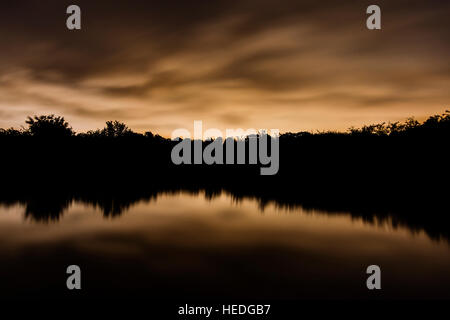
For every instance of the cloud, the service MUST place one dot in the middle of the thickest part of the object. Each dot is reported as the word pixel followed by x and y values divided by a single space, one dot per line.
pixel 291 64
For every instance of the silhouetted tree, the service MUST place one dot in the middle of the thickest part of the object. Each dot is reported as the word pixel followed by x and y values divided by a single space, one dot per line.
pixel 49 126
pixel 116 129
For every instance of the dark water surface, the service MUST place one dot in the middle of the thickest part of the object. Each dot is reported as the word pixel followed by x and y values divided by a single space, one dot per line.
pixel 183 245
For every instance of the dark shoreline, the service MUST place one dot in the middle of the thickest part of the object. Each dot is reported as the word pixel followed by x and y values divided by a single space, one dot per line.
pixel 396 171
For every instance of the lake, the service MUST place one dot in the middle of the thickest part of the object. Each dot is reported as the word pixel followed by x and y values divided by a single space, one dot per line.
pixel 196 245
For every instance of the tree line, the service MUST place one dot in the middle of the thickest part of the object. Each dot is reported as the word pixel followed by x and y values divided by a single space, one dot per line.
pixel 52 126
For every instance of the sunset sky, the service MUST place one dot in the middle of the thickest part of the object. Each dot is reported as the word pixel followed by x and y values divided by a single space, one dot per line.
pixel 293 65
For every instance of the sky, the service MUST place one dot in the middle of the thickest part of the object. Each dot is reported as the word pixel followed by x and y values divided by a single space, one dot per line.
pixel 292 65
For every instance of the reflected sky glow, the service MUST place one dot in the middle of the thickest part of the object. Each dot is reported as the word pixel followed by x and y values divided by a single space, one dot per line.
pixel 186 234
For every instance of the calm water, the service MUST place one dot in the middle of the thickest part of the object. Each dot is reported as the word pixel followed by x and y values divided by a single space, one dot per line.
pixel 184 245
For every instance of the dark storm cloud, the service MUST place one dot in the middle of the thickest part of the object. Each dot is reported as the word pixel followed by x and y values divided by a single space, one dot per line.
pixel 256 63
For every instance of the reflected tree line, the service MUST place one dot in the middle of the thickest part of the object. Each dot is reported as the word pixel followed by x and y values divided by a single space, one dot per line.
pixel 395 171
pixel 416 216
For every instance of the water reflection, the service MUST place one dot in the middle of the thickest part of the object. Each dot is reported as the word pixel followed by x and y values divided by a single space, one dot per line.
pixel 50 207
pixel 178 244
